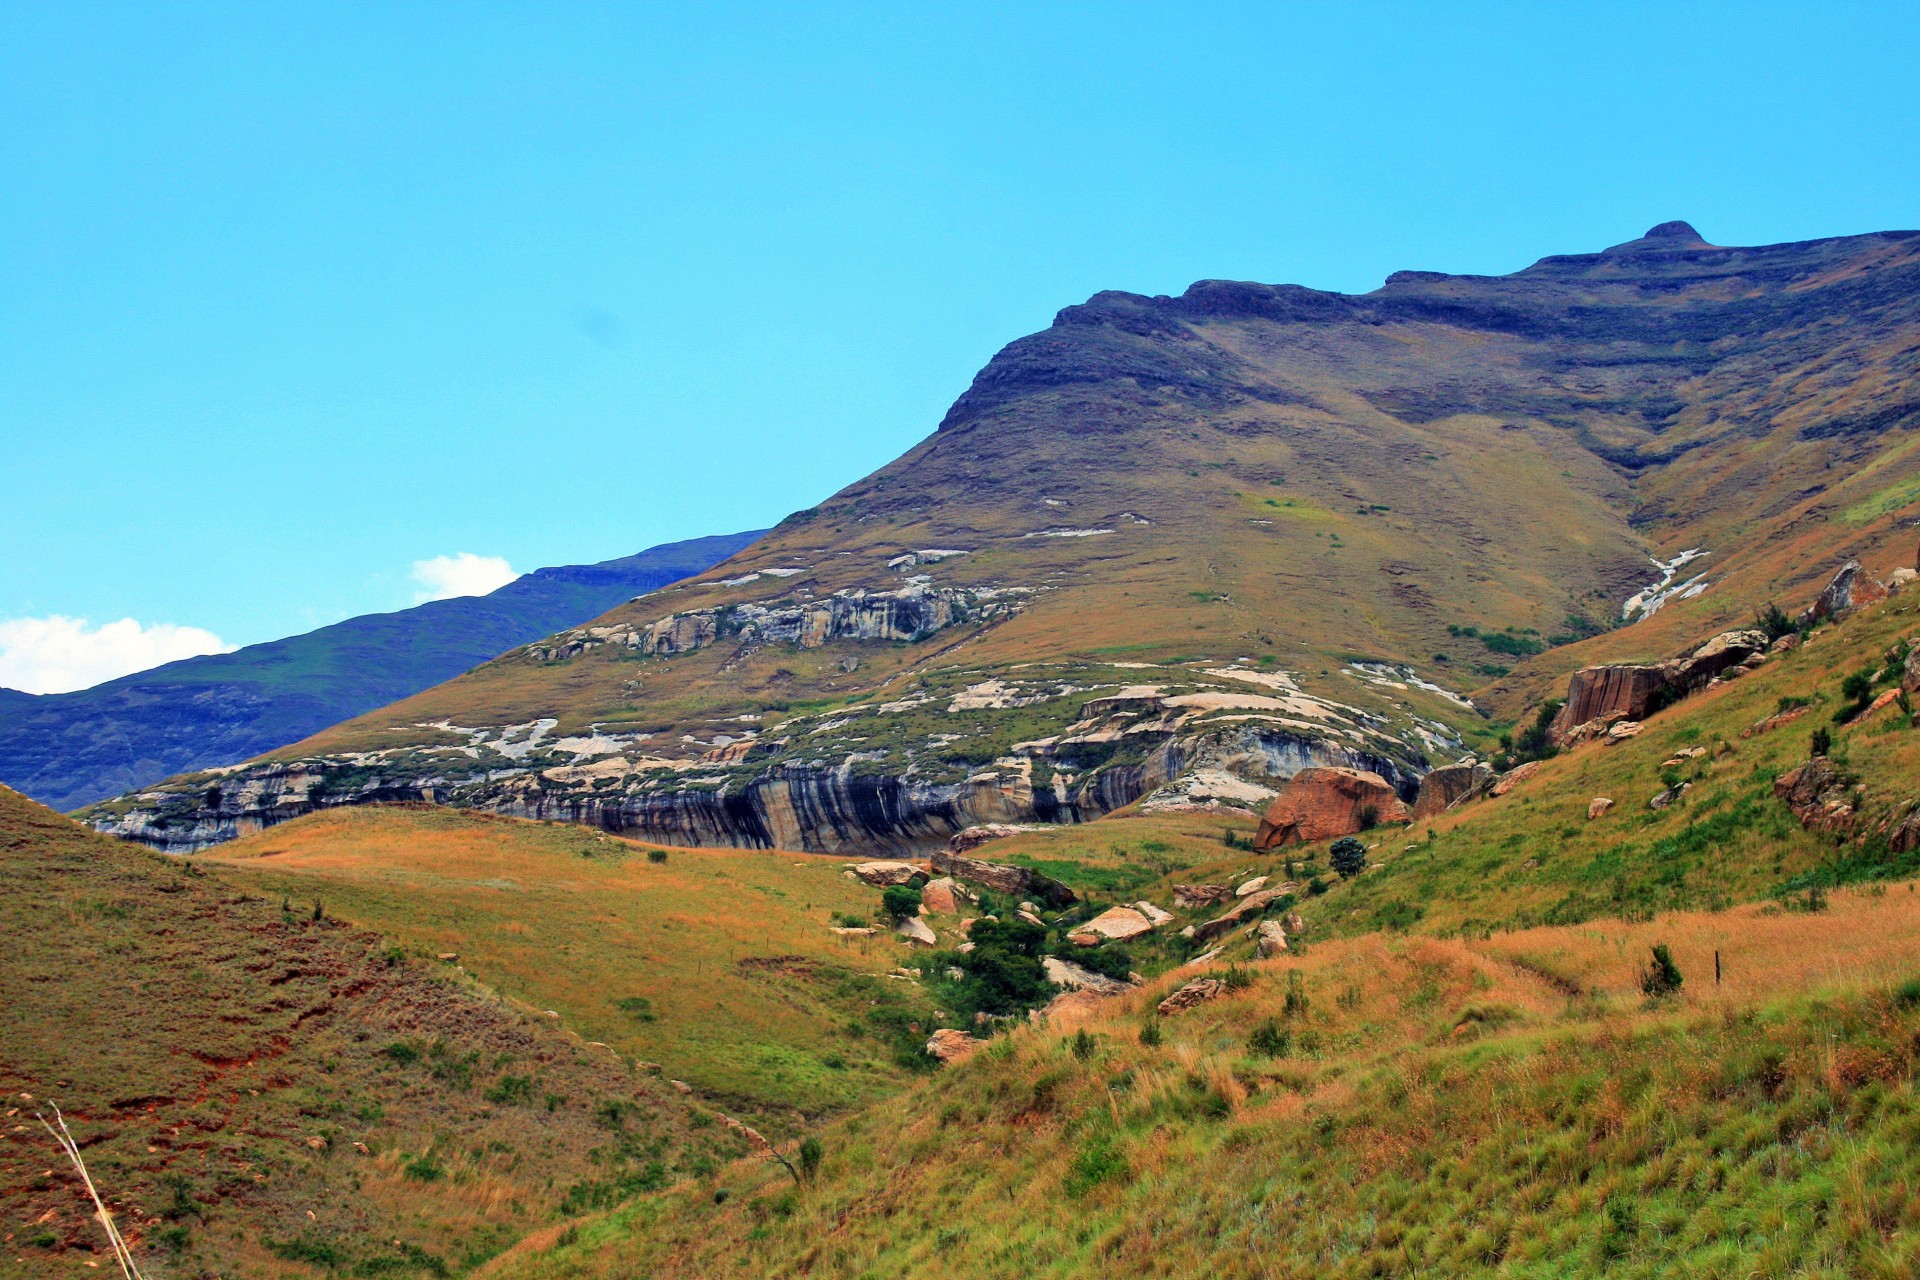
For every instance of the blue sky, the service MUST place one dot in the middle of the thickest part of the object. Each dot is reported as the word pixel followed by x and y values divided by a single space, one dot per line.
pixel 293 298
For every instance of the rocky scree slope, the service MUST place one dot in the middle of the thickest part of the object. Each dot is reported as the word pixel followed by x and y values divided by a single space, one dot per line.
pixel 1173 550
pixel 70 749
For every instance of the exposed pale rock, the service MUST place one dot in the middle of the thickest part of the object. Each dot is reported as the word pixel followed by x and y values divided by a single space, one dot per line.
pixel 1321 802
pixel 1155 916
pixel 1785 644
pixel 1065 973
pixel 854 931
pixel 1447 786
pixel 1115 924
pixel 949 1046
pixel 1271 938
pixel 1254 885
pixel 1910 674
pixel 1027 917
pixel 915 931
pixel 1196 992
pixel 985 833
pixel 1774 721
pixel 1598 805
pixel 1716 658
pixel 1624 730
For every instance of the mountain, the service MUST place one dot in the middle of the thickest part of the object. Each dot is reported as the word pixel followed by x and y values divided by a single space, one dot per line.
pixel 69 749
pixel 1172 550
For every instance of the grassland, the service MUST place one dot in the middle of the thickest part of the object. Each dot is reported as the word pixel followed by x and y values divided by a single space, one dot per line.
pixel 1414 1106
pixel 263 1091
pixel 717 964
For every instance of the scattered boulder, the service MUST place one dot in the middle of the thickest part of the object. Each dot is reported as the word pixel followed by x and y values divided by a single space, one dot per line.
pixel 948 1046
pixel 1886 698
pixel 853 931
pixel 914 930
pixel 1065 973
pixel 942 896
pixel 1205 958
pixel 884 875
pixel 1194 993
pixel 1003 878
pixel 1671 794
pixel 1027 917
pixel 1254 885
pixel 1447 786
pixel 1271 938
pixel 1851 588
pixel 1115 924
pixel 1785 644
pixel 1516 775
pixel 1321 802
pixel 985 833
pixel 1155 916
pixel 1910 674
pixel 1597 806
pixel 1191 897
pixel 1246 909
pixel 1774 721
pixel 1623 730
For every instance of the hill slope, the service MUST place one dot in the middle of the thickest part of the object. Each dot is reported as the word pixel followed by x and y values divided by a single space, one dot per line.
pixel 262 1090
pixel 1175 549
pixel 70 749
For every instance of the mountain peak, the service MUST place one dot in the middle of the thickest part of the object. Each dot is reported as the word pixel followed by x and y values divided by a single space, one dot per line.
pixel 1665 237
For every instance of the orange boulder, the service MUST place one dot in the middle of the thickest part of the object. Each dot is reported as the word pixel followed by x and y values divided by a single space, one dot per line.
pixel 1320 803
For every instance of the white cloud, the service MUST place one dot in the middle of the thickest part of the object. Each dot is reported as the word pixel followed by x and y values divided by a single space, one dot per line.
pixel 463 575
pixel 57 654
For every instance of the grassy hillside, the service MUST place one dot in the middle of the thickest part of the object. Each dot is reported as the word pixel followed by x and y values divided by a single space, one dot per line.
pixel 70 749
pixel 1437 488
pixel 261 1090
pixel 717 964
pixel 1513 1107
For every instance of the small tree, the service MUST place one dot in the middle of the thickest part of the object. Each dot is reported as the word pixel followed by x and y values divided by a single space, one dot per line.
pixel 1822 741
pixel 1773 621
pixel 1661 977
pixel 900 901
pixel 1349 857
pixel 811 1153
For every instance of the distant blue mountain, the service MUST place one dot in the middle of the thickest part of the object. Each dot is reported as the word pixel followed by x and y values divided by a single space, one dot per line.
pixel 70 749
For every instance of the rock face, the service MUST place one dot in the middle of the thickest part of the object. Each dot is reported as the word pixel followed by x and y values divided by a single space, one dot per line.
pixel 1196 992
pixel 1600 693
pixel 949 1046
pixel 1851 588
pixel 1003 878
pixel 1321 803
pixel 1116 924
pixel 1447 786
pixel 1246 909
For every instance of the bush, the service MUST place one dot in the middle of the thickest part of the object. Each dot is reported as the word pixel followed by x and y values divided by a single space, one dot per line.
pixel 811 1153
pixel 1082 1044
pixel 1349 857
pixel 1150 1035
pixel 656 855
pixel 511 1089
pixel 1773 621
pixel 1822 741
pixel 1270 1040
pixel 1107 960
pixel 1661 977
pixel 900 901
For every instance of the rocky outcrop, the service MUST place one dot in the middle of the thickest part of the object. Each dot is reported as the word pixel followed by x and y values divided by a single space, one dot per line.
pixel 1004 878
pixel 1447 786
pixel 1851 588
pixel 883 875
pixel 1192 995
pixel 915 931
pixel 973 837
pixel 1598 806
pixel 1270 939
pixel 1248 908
pixel 1319 804
pixel 1725 651
pixel 1191 897
pixel 943 896
pixel 1607 694
pixel 1820 795
pixel 1072 977
pixel 1910 673
pixel 948 1046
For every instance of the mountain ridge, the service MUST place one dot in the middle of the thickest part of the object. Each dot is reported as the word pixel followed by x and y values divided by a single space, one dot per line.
pixel 1171 550
pixel 69 749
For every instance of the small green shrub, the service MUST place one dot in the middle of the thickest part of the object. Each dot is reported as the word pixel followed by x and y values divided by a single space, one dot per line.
pixel 1270 1040
pixel 1661 977
pixel 1349 857
pixel 656 855
pixel 424 1168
